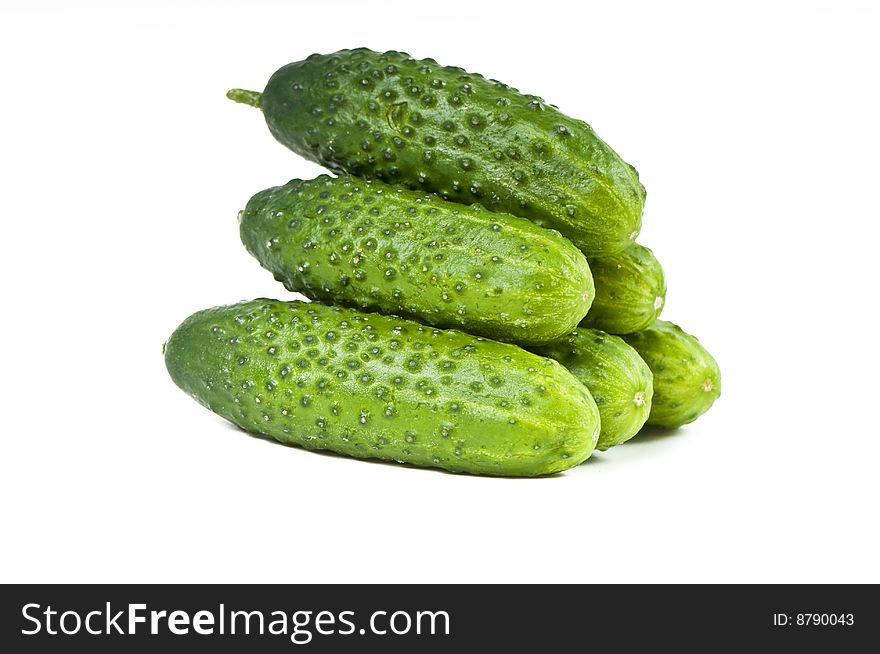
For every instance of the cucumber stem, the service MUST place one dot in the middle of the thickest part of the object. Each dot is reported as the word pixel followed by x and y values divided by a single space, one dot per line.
pixel 253 98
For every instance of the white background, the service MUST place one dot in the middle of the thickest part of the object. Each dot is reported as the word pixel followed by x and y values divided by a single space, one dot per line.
pixel 755 129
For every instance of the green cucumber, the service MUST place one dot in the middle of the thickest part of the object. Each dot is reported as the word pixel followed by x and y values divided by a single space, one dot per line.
pixel 616 376
pixel 373 386
pixel 378 247
pixel 686 377
pixel 630 291
pixel 470 139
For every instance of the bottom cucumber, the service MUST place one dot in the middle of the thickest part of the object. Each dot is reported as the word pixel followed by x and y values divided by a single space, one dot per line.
pixel 368 385
pixel 687 380
pixel 616 376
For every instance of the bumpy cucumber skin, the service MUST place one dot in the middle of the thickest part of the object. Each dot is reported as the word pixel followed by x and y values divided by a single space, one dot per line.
pixel 391 117
pixel 373 386
pixel 387 248
pixel 630 291
pixel 618 379
pixel 686 377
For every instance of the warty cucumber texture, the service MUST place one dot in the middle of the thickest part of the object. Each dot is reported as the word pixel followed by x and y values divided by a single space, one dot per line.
pixel 618 379
pixel 387 248
pixel 630 291
pixel 440 128
pixel 687 380
pixel 368 385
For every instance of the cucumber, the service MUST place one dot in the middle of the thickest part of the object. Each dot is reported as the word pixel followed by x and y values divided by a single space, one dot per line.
pixel 373 386
pixel 616 376
pixel 470 139
pixel 630 291
pixel 686 377
pixel 379 247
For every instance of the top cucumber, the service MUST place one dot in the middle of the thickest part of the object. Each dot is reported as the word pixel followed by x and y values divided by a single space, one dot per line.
pixel 442 129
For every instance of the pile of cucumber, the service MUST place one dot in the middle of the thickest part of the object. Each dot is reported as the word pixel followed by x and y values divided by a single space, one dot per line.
pixel 479 303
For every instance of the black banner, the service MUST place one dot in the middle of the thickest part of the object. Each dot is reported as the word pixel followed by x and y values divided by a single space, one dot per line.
pixel 317 618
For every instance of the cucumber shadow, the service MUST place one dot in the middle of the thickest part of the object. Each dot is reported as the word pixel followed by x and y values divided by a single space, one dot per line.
pixel 645 437
pixel 649 434
pixel 382 462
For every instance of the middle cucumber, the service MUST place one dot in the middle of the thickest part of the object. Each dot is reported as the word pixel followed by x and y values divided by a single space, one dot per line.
pixel 390 249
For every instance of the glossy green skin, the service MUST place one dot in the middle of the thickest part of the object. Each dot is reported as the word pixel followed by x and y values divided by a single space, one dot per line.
pixel 618 379
pixel 686 377
pixel 387 248
pixel 630 291
pixel 373 386
pixel 470 139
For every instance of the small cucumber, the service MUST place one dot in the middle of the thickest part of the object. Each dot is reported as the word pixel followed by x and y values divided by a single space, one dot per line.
pixel 686 377
pixel 616 376
pixel 470 139
pixel 373 386
pixel 630 291
pixel 378 247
